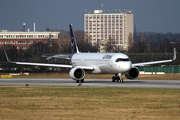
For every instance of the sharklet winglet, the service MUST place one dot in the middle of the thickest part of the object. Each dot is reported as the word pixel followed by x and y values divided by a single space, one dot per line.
pixel 174 54
pixel 7 57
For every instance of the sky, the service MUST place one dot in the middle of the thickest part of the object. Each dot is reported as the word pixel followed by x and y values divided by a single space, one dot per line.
pixel 149 15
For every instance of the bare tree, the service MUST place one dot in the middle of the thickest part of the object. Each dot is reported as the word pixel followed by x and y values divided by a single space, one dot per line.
pixel 109 46
pixel 37 48
pixel 164 46
pixel 64 42
pixel 142 46
pixel 131 41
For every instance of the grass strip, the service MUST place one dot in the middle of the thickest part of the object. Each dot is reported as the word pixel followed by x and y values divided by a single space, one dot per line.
pixel 88 103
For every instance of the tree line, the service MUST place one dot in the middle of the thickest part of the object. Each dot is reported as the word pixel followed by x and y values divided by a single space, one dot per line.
pixel 144 42
pixel 151 42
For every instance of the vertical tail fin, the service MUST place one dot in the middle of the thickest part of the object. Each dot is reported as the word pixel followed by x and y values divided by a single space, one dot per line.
pixel 74 47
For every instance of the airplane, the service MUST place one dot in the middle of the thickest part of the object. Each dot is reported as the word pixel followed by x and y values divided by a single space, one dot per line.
pixel 109 63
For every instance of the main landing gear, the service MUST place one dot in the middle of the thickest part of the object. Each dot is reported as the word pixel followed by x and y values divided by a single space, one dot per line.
pixel 81 81
pixel 118 78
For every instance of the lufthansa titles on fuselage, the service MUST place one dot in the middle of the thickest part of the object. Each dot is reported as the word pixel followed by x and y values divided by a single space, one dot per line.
pixel 107 57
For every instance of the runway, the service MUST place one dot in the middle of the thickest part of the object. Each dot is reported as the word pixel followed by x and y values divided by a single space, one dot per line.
pixel 92 83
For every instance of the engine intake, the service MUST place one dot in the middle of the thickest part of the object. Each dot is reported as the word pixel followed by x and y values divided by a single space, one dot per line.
pixel 77 73
pixel 133 73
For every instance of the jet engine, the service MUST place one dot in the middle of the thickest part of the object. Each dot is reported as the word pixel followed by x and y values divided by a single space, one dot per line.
pixel 133 73
pixel 77 73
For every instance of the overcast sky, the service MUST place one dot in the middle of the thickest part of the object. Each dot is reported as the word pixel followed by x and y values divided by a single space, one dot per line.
pixel 149 15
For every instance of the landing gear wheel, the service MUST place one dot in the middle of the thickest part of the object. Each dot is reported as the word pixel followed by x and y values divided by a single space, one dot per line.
pixel 118 79
pixel 77 81
pixel 113 79
pixel 82 81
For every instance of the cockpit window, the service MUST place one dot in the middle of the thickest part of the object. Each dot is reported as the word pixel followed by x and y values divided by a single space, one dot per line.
pixel 122 59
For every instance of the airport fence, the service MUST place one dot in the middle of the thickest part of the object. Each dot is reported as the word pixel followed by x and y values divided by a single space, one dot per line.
pixel 159 70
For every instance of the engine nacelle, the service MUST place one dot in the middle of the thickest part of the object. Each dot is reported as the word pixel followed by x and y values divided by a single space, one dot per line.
pixel 133 73
pixel 77 73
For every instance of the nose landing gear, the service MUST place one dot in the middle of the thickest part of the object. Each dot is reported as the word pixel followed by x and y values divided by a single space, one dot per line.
pixel 117 78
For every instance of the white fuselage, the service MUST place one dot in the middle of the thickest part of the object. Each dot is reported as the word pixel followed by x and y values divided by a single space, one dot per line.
pixel 103 62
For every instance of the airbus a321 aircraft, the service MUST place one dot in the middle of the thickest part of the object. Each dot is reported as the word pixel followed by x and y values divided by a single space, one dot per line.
pixel 111 63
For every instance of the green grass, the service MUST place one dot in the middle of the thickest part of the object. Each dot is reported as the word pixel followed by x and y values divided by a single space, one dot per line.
pixel 88 103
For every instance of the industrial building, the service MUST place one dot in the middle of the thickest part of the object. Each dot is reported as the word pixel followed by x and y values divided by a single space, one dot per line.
pixel 103 27
pixel 23 39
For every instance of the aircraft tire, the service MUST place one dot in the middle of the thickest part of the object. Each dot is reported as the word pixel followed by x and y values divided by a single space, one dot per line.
pixel 82 81
pixel 113 79
pixel 118 79
pixel 77 81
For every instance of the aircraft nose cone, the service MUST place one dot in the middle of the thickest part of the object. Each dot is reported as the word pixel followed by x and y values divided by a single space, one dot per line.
pixel 127 66
pixel 130 66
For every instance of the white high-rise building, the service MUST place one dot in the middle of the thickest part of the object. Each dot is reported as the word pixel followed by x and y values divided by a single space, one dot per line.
pixel 114 28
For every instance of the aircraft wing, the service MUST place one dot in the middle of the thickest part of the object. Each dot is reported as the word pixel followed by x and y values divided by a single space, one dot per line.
pixel 38 64
pixel 155 62
pixel 49 65
pixel 44 64
pixel 149 63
